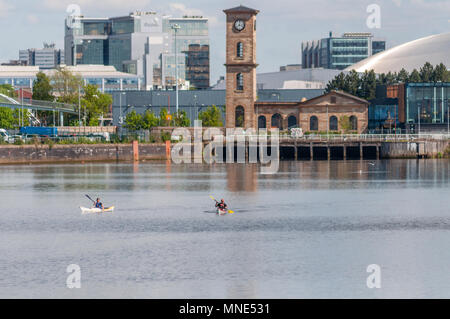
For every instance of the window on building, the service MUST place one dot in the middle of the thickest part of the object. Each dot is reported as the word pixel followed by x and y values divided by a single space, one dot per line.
pixel 354 123
pixel 239 116
pixel 262 121
pixel 276 121
pixel 333 123
pixel 239 82
pixel 240 50
pixel 292 121
pixel 313 123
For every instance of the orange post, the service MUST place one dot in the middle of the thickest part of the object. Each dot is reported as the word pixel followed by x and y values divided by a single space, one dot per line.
pixel 135 151
pixel 168 147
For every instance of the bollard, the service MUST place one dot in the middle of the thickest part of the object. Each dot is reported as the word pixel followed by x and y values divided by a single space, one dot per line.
pixel 135 151
pixel 168 147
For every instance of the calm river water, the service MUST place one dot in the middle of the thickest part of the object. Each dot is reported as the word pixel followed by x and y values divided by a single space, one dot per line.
pixel 309 231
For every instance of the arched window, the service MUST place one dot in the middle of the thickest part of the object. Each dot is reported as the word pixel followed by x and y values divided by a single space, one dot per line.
pixel 333 123
pixel 239 81
pixel 354 123
pixel 240 50
pixel 276 121
pixel 262 121
pixel 313 123
pixel 239 116
pixel 292 121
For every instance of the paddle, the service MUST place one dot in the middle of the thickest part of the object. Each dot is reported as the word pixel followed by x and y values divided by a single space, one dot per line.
pixel 230 211
pixel 90 198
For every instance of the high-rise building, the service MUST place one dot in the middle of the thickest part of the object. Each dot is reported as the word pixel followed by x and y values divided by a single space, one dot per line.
pixel 46 58
pixel 192 47
pixel 141 43
pixel 340 52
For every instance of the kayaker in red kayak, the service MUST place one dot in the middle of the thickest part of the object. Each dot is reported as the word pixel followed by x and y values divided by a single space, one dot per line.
pixel 221 205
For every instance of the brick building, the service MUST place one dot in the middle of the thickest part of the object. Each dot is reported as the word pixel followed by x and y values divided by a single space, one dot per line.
pixel 244 109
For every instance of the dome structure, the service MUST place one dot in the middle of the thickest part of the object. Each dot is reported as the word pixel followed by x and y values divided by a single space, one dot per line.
pixel 411 55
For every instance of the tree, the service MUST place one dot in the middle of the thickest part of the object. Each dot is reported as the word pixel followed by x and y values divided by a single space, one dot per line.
pixel 66 85
pixel 181 119
pixel 368 85
pixel 426 72
pixel 8 90
pixel 7 120
pixel 96 104
pixel 402 76
pixel 42 89
pixel 163 118
pixel 211 117
pixel 414 77
pixel 344 122
pixel 440 73
pixel 149 120
pixel 133 121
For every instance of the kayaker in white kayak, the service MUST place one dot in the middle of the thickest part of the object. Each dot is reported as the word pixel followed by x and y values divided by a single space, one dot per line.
pixel 221 205
pixel 98 204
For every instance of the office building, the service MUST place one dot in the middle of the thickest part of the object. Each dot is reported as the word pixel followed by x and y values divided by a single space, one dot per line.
pixel 141 43
pixel 46 58
pixel 340 52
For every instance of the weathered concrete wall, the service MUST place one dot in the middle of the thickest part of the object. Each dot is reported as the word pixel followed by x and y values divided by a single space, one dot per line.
pixel 413 149
pixel 12 154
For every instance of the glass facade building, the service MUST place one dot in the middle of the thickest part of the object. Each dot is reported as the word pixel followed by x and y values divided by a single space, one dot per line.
pixel 143 44
pixel 340 52
pixel 427 103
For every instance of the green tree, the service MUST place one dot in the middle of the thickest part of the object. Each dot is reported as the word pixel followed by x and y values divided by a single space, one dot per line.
pixel 368 85
pixel 96 104
pixel 414 77
pixel 66 85
pixel 163 118
pixel 352 83
pixel 149 120
pixel 8 90
pixel 402 76
pixel 344 122
pixel 440 73
pixel 211 117
pixel 7 120
pixel 133 121
pixel 426 72
pixel 181 119
pixel 42 89
pixel 337 83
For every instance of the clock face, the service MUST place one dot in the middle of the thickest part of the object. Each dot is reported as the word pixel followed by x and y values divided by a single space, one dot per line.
pixel 239 25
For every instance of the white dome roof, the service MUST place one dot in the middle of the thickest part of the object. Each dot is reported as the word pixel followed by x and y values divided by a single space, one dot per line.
pixel 411 55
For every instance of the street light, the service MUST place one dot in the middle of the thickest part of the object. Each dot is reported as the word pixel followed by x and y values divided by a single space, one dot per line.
pixel 175 28
pixel 120 108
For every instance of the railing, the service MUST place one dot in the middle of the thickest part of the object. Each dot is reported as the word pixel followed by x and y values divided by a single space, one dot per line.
pixel 368 137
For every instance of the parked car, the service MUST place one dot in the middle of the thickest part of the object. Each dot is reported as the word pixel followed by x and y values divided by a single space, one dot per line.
pixel 4 135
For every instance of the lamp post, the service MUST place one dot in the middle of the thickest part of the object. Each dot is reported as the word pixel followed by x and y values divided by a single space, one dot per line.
pixel 120 108
pixel 175 28
pixel 79 105
pixel 419 118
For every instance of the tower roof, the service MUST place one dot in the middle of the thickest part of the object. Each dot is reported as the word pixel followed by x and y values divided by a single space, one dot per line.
pixel 241 8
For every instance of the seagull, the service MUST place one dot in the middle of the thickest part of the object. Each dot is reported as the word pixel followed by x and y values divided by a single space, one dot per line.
pixel 373 164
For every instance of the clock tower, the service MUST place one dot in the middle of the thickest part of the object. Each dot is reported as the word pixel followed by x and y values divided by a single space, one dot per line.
pixel 241 67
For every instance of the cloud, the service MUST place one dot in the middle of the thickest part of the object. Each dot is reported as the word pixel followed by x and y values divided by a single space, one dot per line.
pixel 5 8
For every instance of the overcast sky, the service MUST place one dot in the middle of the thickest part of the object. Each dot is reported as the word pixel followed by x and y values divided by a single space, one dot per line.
pixel 282 24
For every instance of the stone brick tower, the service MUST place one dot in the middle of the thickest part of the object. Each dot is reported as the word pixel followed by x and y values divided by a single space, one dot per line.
pixel 241 67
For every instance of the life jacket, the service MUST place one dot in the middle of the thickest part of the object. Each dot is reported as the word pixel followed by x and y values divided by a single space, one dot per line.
pixel 98 205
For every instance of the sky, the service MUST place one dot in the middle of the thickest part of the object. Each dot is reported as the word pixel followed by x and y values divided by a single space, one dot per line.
pixel 282 25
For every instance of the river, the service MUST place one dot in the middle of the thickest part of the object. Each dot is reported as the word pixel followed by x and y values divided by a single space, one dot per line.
pixel 309 231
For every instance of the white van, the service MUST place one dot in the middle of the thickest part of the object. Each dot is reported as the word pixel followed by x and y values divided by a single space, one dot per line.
pixel 5 136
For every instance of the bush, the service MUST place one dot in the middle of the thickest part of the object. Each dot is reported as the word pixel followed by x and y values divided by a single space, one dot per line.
pixel 166 136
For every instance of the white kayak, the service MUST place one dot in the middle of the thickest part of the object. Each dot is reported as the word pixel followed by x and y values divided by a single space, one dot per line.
pixel 85 210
